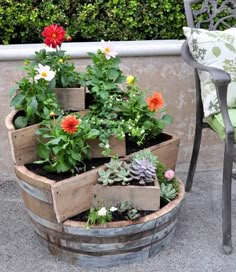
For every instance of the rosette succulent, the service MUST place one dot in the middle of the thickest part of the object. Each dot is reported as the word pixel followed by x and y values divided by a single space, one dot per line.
pixel 143 171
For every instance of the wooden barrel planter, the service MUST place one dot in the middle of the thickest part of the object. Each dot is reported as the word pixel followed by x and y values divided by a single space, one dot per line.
pixel 112 244
pixel 51 205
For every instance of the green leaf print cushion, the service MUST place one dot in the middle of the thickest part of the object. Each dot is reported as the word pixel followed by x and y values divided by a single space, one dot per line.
pixel 215 49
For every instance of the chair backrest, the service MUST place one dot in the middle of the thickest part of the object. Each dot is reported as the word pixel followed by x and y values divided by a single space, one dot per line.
pixel 210 14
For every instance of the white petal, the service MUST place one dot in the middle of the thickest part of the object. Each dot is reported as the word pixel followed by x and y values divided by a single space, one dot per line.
pixel 113 209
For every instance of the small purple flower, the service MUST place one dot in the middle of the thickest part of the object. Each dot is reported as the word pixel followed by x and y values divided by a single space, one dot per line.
pixel 169 174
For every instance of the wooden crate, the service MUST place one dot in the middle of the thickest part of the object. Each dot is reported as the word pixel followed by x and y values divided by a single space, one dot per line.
pixel 71 99
pixel 141 197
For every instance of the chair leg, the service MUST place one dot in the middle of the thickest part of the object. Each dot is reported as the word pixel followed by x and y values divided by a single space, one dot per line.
pixel 226 198
pixel 193 162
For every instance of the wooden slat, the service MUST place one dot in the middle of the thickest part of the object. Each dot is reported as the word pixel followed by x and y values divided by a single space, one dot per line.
pixel 40 194
pixel 38 207
pixel 23 144
pixel 9 120
pixel 141 197
pixel 71 98
pixel 33 179
pixel 73 196
pixel 167 152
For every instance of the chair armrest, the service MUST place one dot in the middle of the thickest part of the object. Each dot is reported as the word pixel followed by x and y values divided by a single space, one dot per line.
pixel 221 80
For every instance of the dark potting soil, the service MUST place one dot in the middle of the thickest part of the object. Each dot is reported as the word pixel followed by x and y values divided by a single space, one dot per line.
pixel 116 216
pixel 90 164
pixel 131 147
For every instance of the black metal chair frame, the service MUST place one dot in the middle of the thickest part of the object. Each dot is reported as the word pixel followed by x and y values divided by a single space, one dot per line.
pixel 221 80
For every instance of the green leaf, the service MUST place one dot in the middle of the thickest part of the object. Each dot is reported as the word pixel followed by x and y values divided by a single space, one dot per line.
pixel 62 167
pixel 17 100
pixel 33 104
pixel 216 51
pixel 93 133
pixel 76 156
pixel 52 84
pixel 54 141
pixel 20 122
pixel 167 119
pixel 113 74
pixel 42 151
pixel 13 89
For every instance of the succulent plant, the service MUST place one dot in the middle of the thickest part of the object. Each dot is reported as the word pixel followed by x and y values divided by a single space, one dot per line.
pixel 168 192
pixel 126 208
pixel 147 155
pixel 104 177
pixel 116 172
pixel 143 171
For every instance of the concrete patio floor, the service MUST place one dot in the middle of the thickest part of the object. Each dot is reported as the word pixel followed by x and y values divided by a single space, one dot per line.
pixel 196 246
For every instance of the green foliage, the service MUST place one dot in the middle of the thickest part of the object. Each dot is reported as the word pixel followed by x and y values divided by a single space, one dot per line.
pixel 127 209
pixel 118 111
pixel 168 188
pixel 35 97
pixel 23 21
pixel 66 74
pixel 141 124
pixel 98 216
pixel 131 20
pixel 60 151
pixel 168 192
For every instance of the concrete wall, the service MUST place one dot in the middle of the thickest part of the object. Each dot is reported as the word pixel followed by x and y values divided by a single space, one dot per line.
pixel 158 66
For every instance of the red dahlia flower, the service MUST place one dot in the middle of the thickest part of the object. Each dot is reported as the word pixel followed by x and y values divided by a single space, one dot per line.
pixel 69 124
pixel 54 35
pixel 155 102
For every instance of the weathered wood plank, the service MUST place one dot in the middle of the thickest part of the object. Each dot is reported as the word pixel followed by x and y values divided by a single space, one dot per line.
pixel 141 197
pixel 33 179
pixel 40 194
pixel 38 207
pixel 71 98
pixel 74 195
pixel 167 152
pixel 23 144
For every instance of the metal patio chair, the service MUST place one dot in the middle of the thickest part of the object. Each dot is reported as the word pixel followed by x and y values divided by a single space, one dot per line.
pixel 213 15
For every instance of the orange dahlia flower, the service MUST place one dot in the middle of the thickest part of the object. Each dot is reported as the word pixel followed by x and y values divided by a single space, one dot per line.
pixel 155 102
pixel 69 124
pixel 54 35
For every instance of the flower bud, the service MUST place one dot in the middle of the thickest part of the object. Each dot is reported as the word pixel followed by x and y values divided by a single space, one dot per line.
pixel 169 174
pixel 52 114
pixel 68 38
pixel 130 80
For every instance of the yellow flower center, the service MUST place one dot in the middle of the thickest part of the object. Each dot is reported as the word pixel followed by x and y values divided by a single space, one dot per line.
pixel 54 35
pixel 44 74
pixel 107 50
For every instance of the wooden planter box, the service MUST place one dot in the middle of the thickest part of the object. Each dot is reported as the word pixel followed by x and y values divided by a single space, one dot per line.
pixel 71 99
pixel 145 198
pixel 23 143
